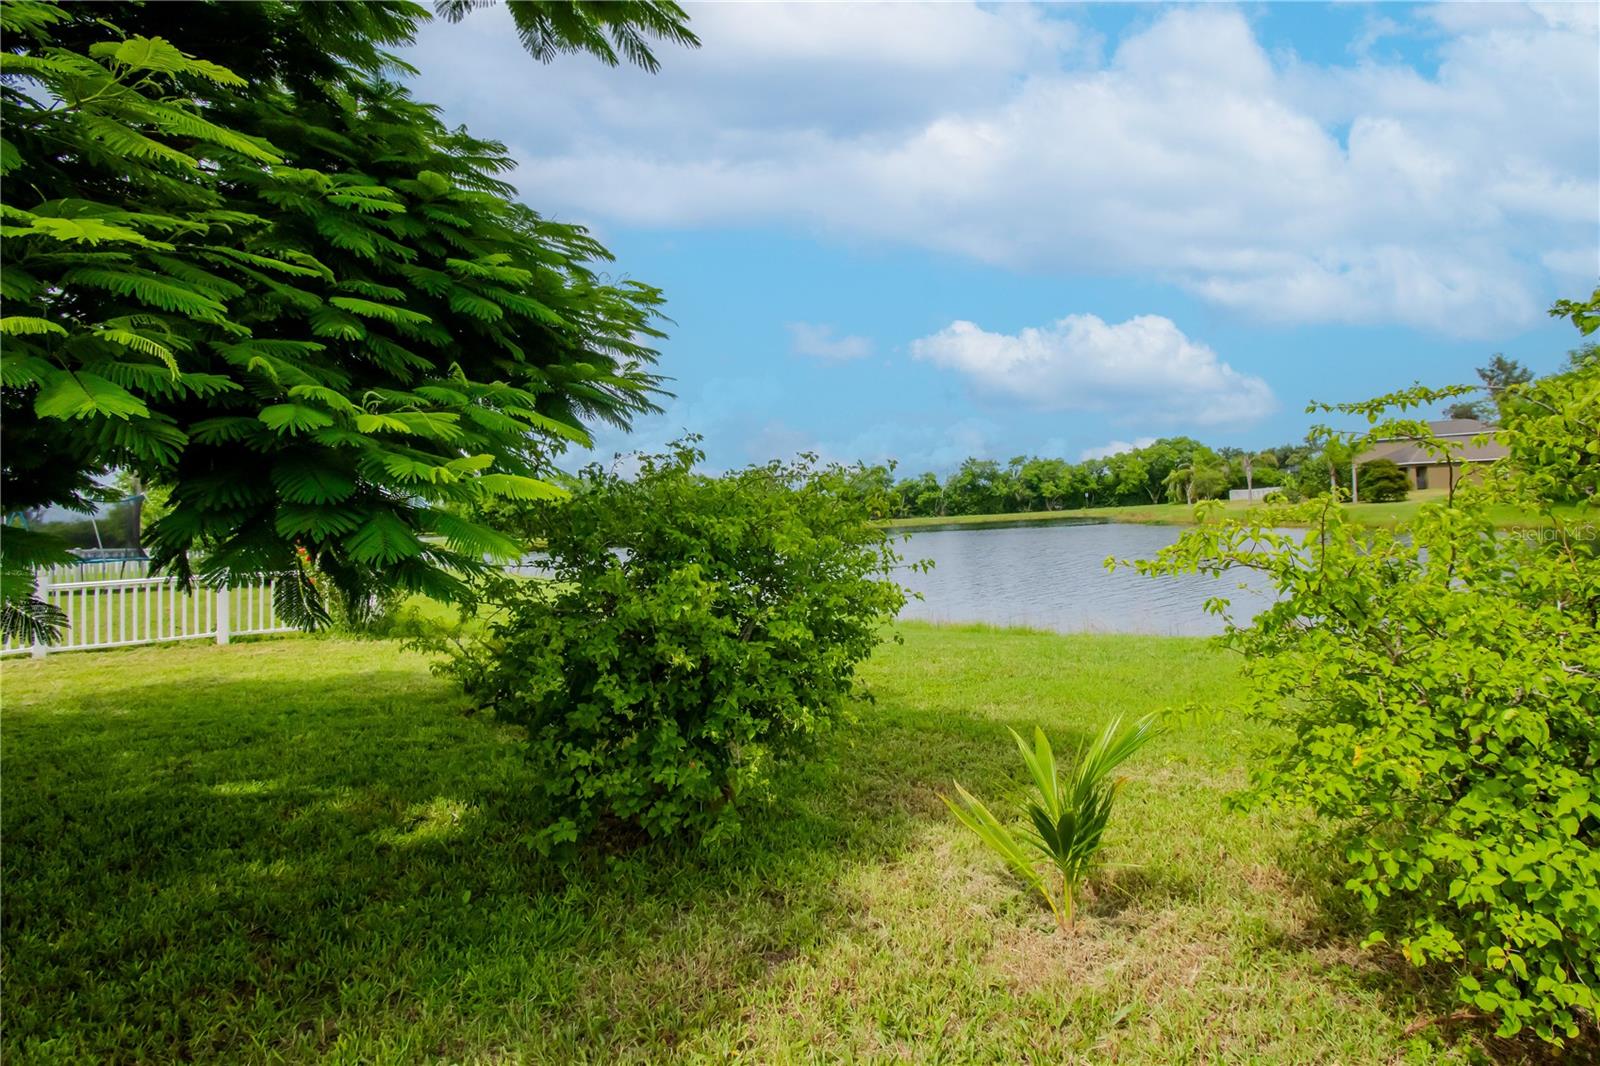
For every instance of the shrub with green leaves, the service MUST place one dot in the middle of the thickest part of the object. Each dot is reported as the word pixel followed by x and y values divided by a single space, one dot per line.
pixel 1381 481
pixel 1437 690
pixel 1068 819
pixel 696 630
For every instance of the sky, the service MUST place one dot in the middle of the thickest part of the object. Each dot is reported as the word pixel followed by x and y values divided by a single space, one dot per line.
pixel 921 233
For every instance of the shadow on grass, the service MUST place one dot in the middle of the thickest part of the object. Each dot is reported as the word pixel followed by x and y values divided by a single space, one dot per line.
pixel 1119 890
pixel 255 868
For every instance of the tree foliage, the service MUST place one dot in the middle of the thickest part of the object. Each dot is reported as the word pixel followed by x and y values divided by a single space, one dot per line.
pixel 1202 477
pixel 1501 377
pixel 1138 476
pixel 610 30
pixel 1438 693
pixel 1381 481
pixel 243 264
pixel 696 631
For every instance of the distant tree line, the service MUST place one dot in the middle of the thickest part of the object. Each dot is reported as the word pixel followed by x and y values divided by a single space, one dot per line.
pixel 1173 469
pixel 1170 470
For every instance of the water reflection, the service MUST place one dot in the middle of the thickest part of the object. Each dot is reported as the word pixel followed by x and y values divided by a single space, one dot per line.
pixel 1054 577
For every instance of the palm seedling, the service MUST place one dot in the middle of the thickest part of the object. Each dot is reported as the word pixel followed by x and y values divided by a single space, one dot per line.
pixel 1067 818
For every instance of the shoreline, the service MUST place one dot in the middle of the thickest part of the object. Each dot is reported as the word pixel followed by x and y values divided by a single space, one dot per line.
pixel 1375 515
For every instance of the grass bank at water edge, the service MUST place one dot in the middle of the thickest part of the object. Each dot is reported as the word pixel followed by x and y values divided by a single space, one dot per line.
pixel 1387 515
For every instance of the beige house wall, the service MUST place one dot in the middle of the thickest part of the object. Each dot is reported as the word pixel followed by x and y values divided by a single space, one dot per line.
pixel 1437 475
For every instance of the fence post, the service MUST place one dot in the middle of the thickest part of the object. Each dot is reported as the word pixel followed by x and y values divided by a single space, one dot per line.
pixel 224 620
pixel 41 589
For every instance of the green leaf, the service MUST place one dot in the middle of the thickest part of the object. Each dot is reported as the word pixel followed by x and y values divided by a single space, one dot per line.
pixel 370 309
pixel 470 303
pixel 328 322
pixel 141 53
pixel 150 289
pixel 471 537
pixel 138 342
pixel 435 183
pixel 305 481
pixel 26 325
pixel 82 230
pixel 85 395
pixel 383 539
pixel 975 816
pixel 159 55
pixel 435 425
pixel 226 429
pixel 370 422
pixel 292 418
pixel 517 487
pixel 330 398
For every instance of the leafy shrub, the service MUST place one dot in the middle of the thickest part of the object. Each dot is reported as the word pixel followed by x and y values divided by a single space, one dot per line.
pixel 1275 497
pixel 696 630
pixel 1438 690
pixel 1381 481
pixel 1068 821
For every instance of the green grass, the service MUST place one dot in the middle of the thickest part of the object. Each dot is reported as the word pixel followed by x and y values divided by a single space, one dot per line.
pixel 1386 515
pixel 309 849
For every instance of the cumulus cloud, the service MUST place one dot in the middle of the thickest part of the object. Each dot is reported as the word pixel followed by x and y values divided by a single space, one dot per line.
pixel 818 341
pixel 1115 447
pixel 1144 369
pixel 1374 192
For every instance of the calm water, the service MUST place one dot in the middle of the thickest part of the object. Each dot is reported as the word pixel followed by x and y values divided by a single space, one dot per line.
pixel 1054 577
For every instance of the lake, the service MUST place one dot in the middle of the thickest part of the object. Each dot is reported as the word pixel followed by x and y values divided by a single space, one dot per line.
pixel 1053 576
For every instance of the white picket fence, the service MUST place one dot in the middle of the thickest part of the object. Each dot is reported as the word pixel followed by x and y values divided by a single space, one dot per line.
pixel 122 612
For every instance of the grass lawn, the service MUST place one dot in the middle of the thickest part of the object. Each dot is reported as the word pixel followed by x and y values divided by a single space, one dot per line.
pixel 1182 514
pixel 308 849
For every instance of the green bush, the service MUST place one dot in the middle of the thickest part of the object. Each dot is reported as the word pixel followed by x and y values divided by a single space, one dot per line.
pixel 1381 481
pixel 1438 689
pixel 696 630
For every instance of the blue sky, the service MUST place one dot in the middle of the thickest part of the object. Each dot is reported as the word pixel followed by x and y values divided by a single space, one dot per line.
pixel 927 232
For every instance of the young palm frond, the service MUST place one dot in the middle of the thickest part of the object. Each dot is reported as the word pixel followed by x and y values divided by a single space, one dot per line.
pixel 1068 817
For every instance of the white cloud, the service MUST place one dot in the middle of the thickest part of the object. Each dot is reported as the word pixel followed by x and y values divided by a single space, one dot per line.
pixel 1372 192
pixel 1140 370
pixel 818 341
pixel 1115 447
pixel 1581 265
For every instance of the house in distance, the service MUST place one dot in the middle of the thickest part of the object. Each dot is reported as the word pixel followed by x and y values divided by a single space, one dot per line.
pixel 1427 470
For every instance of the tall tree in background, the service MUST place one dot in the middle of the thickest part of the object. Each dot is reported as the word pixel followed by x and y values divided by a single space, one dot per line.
pixel 1500 375
pixel 1503 373
pixel 244 263
pixel 1202 477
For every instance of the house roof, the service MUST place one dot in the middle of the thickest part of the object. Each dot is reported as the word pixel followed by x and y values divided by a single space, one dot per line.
pixel 1457 431
pixel 1459 427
